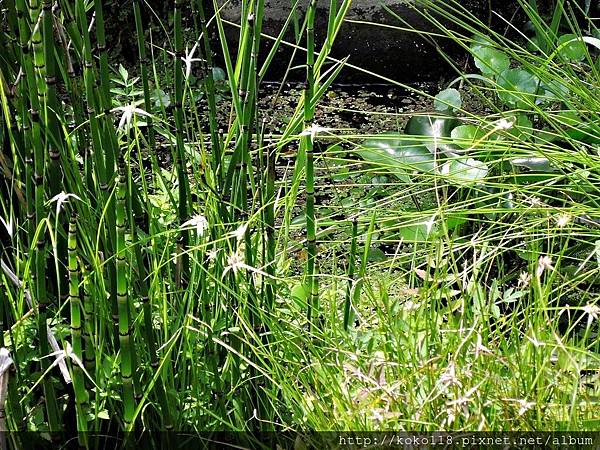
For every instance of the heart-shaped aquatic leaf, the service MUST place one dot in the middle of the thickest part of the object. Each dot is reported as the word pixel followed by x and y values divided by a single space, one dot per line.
pixel 534 164
pixel 422 231
pixel 299 220
pixel 467 136
pixel 299 293
pixel 517 88
pixel 464 171
pixel 489 60
pixel 583 130
pixel 218 74
pixel 416 233
pixel 571 47
pixel 397 154
pixel 161 98
pixel 554 90
pixel 447 100
pixel 376 255
pixel 435 131
pixel 522 128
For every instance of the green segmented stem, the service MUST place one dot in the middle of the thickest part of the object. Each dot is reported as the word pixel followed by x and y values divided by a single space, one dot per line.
pixel 141 256
pixel 31 129
pixel 102 175
pixel 54 137
pixel 89 329
pixel 308 144
pixel 209 83
pixel 145 80
pixel 351 267
pixel 105 103
pixel 52 108
pixel 108 135
pixel 77 327
pixel 179 154
pixel 124 321
pixel 38 86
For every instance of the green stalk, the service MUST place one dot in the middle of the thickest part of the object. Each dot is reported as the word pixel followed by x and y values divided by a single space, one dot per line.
pixel 109 137
pixel 89 330
pixel 307 144
pixel 179 154
pixel 238 169
pixel 351 267
pixel 209 83
pixel 39 162
pixel 52 108
pixel 365 258
pixel 30 129
pixel 145 80
pixel 269 225
pixel 81 397
pixel 76 125
pixel 141 255
pixel 105 103
pixel 102 174
pixel 124 308
pixel 52 112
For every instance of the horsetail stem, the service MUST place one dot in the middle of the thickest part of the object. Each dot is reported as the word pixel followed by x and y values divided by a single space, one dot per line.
pixel 124 308
pixel 38 87
pixel 351 267
pixel 217 151
pixel 89 330
pixel 77 327
pixel 145 80
pixel 179 154
pixel 308 144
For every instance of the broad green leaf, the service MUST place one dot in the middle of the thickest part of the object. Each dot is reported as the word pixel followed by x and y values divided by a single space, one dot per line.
pixel 464 171
pixel 447 100
pixel 534 164
pixel 299 220
pixel 161 98
pixel 455 220
pixel 588 132
pixel 467 136
pixel 522 128
pixel 420 232
pixel 218 74
pixel 511 295
pixel 554 90
pixel 376 255
pixel 578 127
pixel 397 154
pixel 489 60
pixel 423 230
pixel 435 131
pixel 546 136
pixel 571 46
pixel 300 293
pixel 517 88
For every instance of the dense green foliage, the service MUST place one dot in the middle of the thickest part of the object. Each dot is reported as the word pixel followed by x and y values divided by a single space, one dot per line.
pixel 162 269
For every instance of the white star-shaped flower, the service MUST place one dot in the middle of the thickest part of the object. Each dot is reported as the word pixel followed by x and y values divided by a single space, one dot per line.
pixel 127 114
pixel 199 222
pixel 62 198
